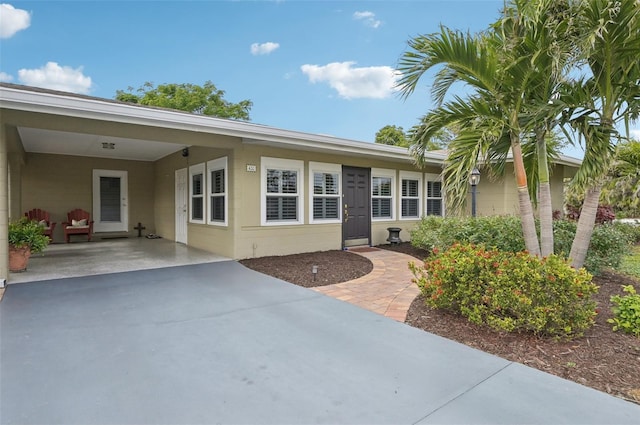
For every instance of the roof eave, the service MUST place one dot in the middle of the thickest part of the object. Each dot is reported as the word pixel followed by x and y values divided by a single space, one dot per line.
pixel 44 101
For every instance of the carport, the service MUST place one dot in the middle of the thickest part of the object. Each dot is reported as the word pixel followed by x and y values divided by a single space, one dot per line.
pixel 109 256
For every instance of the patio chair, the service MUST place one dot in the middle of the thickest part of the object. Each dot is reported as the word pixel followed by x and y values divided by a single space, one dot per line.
pixel 42 217
pixel 78 223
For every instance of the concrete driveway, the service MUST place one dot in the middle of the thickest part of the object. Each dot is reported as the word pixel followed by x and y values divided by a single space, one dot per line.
pixel 218 343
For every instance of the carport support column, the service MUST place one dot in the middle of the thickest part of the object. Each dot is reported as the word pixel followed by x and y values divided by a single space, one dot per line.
pixel 4 205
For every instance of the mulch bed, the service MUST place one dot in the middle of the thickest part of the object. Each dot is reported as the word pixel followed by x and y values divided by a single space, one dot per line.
pixel 333 267
pixel 602 359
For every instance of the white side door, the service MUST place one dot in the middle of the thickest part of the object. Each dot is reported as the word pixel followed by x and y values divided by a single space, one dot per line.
pixel 182 200
pixel 110 201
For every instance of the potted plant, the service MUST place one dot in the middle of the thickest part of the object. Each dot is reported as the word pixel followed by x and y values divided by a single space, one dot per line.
pixel 26 237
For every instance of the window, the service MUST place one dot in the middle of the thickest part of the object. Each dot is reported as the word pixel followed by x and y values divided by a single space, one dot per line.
pixel 410 189
pixel 217 184
pixel 434 200
pixel 382 192
pixel 282 199
pixel 196 193
pixel 325 190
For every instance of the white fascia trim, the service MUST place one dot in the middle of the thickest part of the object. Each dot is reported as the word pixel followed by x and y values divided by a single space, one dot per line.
pixel 98 109
pixel 90 108
pixel 105 110
pixel 323 167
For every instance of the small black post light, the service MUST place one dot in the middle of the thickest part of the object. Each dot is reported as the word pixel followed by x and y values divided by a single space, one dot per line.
pixel 474 179
pixel 314 271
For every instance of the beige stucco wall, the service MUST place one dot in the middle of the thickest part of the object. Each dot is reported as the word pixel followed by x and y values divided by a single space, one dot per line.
pixel 500 197
pixel 60 183
pixel 252 239
pixel 245 237
pixel 217 239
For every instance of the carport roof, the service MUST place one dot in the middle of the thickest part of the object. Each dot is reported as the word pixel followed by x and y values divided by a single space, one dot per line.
pixel 38 100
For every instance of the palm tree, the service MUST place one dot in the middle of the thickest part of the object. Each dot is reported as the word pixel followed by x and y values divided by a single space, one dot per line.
pixel 512 74
pixel 540 32
pixel 610 95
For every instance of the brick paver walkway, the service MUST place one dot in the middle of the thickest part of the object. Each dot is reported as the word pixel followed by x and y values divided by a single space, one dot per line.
pixel 387 290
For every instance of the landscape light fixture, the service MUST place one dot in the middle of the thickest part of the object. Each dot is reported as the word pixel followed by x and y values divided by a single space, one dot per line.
pixel 474 179
pixel 314 271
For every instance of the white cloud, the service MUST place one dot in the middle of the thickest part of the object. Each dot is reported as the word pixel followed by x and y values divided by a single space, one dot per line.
pixel 635 133
pixel 12 20
pixel 56 77
pixel 263 48
pixel 368 18
pixel 5 78
pixel 374 82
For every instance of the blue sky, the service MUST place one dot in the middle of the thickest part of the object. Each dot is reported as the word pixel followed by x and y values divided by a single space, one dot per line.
pixel 321 67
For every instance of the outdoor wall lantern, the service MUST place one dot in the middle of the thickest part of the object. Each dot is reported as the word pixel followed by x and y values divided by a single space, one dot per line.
pixel 474 179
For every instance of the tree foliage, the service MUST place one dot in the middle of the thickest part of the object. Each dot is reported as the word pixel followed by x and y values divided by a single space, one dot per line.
pixel 621 185
pixel 396 136
pixel 203 100
pixel 511 70
pixel 621 189
pixel 392 135
pixel 542 64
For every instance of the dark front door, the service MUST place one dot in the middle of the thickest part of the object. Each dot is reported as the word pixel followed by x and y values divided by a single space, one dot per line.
pixel 356 197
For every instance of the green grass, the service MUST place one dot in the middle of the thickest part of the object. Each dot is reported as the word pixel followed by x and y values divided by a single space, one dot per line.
pixel 631 263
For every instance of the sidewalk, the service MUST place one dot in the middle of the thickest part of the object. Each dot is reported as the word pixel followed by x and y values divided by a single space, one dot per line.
pixel 387 290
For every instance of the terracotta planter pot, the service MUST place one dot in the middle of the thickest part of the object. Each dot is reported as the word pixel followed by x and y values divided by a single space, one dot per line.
pixel 18 258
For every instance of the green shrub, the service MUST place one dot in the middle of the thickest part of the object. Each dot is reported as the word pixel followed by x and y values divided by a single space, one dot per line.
pixel 632 231
pixel 427 234
pixel 501 232
pixel 608 245
pixel 626 311
pixel 607 248
pixel 509 291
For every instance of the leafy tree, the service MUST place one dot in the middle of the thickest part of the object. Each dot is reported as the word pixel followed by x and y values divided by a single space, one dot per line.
pixel 204 100
pixel 621 186
pixel 392 135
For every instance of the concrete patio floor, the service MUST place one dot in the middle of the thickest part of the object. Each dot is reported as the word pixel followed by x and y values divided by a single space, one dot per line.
pixel 219 343
pixel 108 256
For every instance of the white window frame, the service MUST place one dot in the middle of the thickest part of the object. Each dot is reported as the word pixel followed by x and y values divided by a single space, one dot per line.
pixel 322 167
pixel 410 175
pixel 193 171
pixel 268 163
pixel 215 165
pixel 433 178
pixel 383 172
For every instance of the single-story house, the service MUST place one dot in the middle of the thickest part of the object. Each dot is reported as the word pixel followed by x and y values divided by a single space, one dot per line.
pixel 234 188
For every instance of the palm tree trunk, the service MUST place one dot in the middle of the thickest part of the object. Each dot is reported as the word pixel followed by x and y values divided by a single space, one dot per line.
pixel 586 224
pixel 544 196
pixel 524 202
